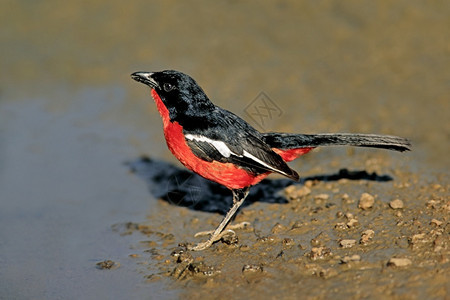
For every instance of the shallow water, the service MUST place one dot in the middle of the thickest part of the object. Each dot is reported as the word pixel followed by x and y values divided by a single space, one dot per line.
pixel 71 121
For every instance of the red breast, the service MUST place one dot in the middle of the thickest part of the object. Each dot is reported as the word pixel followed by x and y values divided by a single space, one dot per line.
pixel 226 174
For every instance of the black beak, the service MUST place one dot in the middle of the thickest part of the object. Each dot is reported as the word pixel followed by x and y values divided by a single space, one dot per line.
pixel 145 78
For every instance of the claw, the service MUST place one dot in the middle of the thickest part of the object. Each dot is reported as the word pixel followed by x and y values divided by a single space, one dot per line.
pixel 241 225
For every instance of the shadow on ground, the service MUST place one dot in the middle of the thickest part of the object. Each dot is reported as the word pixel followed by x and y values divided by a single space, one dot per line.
pixel 183 188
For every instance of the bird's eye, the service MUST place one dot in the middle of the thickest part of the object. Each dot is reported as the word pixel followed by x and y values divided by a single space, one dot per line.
pixel 168 87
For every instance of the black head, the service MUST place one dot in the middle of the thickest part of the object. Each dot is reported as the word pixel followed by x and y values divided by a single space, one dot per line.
pixel 178 91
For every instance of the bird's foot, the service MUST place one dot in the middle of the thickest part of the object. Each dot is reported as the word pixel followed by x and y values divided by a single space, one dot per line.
pixel 216 237
pixel 241 225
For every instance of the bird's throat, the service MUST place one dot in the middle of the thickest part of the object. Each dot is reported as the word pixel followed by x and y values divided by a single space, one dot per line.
pixel 163 111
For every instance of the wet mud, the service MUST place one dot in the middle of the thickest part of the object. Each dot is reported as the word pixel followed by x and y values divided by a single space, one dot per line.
pixel 346 234
pixel 94 206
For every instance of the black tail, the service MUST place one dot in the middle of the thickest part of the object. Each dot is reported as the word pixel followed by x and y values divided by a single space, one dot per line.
pixel 293 141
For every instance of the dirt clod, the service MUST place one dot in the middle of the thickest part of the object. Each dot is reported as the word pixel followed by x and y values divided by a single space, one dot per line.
pixel 347 243
pixel 107 265
pixel 320 253
pixel 436 222
pixel 252 269
pixel 230 238
pixel 399 262
pixel 396 204
pixel 294 192
pixel 348 259
pixel 277 228
pixel 366 236
pixel 366 201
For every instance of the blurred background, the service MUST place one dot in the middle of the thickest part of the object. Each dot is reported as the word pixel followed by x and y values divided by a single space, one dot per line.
pixel 70 115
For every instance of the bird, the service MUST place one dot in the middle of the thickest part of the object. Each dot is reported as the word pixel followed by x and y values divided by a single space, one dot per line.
pixel 222 147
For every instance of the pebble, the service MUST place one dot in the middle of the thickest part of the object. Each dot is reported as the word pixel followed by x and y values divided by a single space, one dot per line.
pixel 399 262
pixel 366 201
pixel 252 269
pixel 327 273
pixel 309 183
pixel 341 226
pixel 288 242
pixel 320 253
pixel 346 199
pixel 293 192
pixel 230 238
pixel 436 222
pixel 352 223
pixel 277 228
pixel 347 243
pixel 200 268
pixel 107 265
pixel 322 197
pixel 367 236
pixel 396 204
pixel 348 259
pixel 244 248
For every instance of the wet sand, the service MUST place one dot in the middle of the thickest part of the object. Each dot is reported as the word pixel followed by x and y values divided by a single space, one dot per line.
pixel 83 216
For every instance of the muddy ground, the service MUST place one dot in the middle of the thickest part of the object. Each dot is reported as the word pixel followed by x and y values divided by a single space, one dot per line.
pixel 349 235
pixel 94 206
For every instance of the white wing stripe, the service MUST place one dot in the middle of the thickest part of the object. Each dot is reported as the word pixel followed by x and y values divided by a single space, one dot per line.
pixel 246 154
pixel 226 152
pixel 219 145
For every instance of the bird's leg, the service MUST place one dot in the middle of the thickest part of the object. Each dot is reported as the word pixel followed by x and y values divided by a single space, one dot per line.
pixel 229 228
pixel 239 196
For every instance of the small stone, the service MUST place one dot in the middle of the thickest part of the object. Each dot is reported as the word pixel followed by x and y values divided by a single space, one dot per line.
pixel 396 204
pixel 252 269
pixel 315 242
pixel 107 265
pixel 436 222
pixel 346 199
pixel 341 226
pixel 303 191
pixel 321 197
pixel 294 193
pixel 348 259
pixel 367 236
pixel 244 248
pixel 352 223
pixel 230 238
pixel 399 262
pixel 329 205
pixel 339 214
pixel 297 224
pixel 417 238
pixel 440 243
pixel 347 243
pixel 327 273
pixel 366 201
pixel 320 253
pixel 270 239
pixel 432 204
pixel 200 268
pixel 309 183
pixel 288 242
pixel 277 228
pixel 320 240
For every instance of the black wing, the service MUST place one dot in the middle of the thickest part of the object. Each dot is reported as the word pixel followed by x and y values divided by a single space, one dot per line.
pixel 224 137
